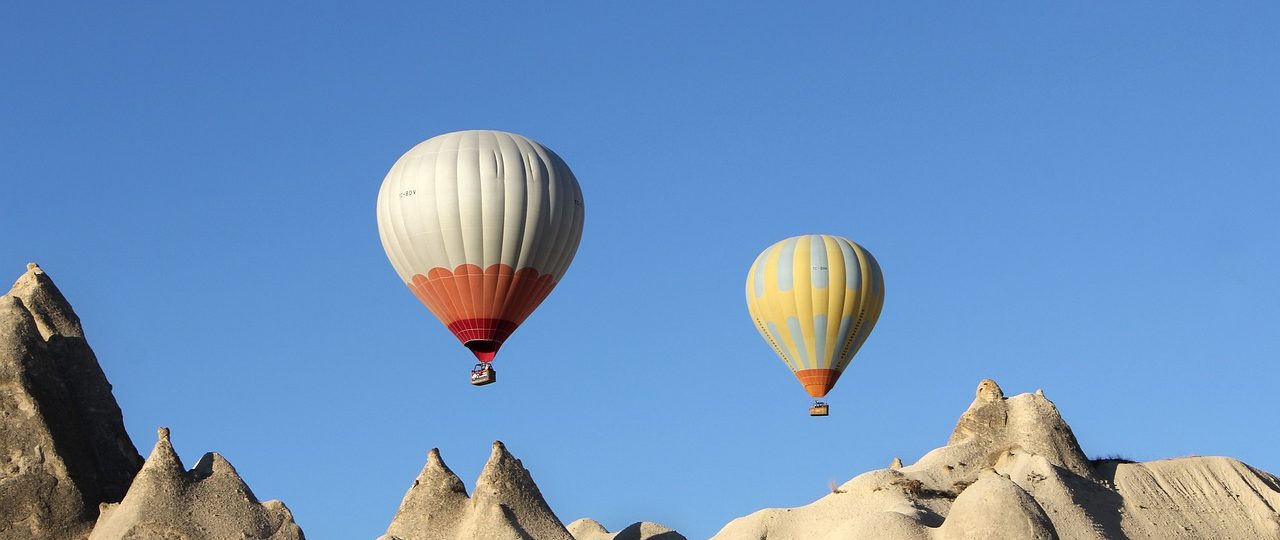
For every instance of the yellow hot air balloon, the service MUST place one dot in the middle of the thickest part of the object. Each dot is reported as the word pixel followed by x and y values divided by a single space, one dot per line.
pixel 815 299
pixel 480 225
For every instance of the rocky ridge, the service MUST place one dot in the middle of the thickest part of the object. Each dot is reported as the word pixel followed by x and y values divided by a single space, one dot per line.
pixel 1012 468
pixel 506 505
pixel 68 469
pixel 209 501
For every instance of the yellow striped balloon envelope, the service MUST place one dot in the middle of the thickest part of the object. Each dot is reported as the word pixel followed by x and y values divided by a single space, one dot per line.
pixel 814 299
pixel 480 225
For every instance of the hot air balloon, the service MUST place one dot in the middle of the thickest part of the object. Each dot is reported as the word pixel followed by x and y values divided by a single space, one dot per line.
pixel 815 299
pixel 480 225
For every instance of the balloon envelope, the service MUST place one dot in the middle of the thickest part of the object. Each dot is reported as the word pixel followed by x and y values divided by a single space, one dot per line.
pixel 481 226
pixel 815 299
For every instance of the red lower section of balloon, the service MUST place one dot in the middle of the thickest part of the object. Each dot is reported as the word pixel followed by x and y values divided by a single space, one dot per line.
pixel 482 329
pixel 484 349
pixel 818 381
pixel 483 336
pixel 482 307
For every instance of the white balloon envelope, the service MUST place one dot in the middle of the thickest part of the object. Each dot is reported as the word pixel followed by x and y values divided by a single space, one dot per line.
pixel 481 226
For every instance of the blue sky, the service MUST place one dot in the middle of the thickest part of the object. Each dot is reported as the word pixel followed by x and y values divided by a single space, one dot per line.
pixel 1080 198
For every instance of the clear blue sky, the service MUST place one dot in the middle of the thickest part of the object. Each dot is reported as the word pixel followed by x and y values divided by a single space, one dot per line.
pixel 1081 198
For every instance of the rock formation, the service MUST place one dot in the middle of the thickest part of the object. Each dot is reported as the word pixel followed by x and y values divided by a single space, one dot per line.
pixel 1013 469
pixel 209 501
pixel 66 461
pixel 590 529
pixel 63 447
pixel 506 504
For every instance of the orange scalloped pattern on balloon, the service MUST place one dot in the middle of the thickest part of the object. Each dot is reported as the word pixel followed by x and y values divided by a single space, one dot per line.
pixel 818 381
pixel 498 294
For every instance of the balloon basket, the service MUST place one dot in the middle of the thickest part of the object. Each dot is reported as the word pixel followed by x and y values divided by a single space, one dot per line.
pixel 483 374
pixel 819 409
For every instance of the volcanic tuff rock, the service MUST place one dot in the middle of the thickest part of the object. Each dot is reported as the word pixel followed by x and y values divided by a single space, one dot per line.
pixel 66 460
pixel 506 504
pixel 1013 469
pixel 209 501
pixel 590 529
pixel 63 447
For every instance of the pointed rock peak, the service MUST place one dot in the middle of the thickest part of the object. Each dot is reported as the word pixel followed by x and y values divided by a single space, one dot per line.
pixel 985 417
pixel 1040 392
pixel 434 459
pixel 204 467
pixel 989 391
pixel 434 505
pixel 51 311
pixel 504 480
pixel 163 459
pixel 502 467
pixel 215 471
pixel 896 463
pixel 212 463
pixel 498 450
pixel 437 478
pixel 210 501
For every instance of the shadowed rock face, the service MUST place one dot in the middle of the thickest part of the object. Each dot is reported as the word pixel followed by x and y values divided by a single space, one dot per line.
pixel 63 447
pixel 1013 469
pixel 209 501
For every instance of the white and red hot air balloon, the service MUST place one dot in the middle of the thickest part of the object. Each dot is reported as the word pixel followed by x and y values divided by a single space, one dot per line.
pixel 480 225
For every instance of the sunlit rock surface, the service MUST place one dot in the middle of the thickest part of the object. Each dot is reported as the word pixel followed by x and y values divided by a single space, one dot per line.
pixel 1013 469
pixel 68 469
pixel 63 447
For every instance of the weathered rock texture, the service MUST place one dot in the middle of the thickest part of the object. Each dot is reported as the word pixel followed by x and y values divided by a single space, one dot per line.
pixel 63 447
pixel 209 501
pixel 506 505
pixel 66 461
pixel 590 529
pixel 1013 469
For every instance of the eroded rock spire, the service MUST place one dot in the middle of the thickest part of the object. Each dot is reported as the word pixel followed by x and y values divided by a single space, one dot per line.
pixel 62 432
pixel 506 504
pixel 209 501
